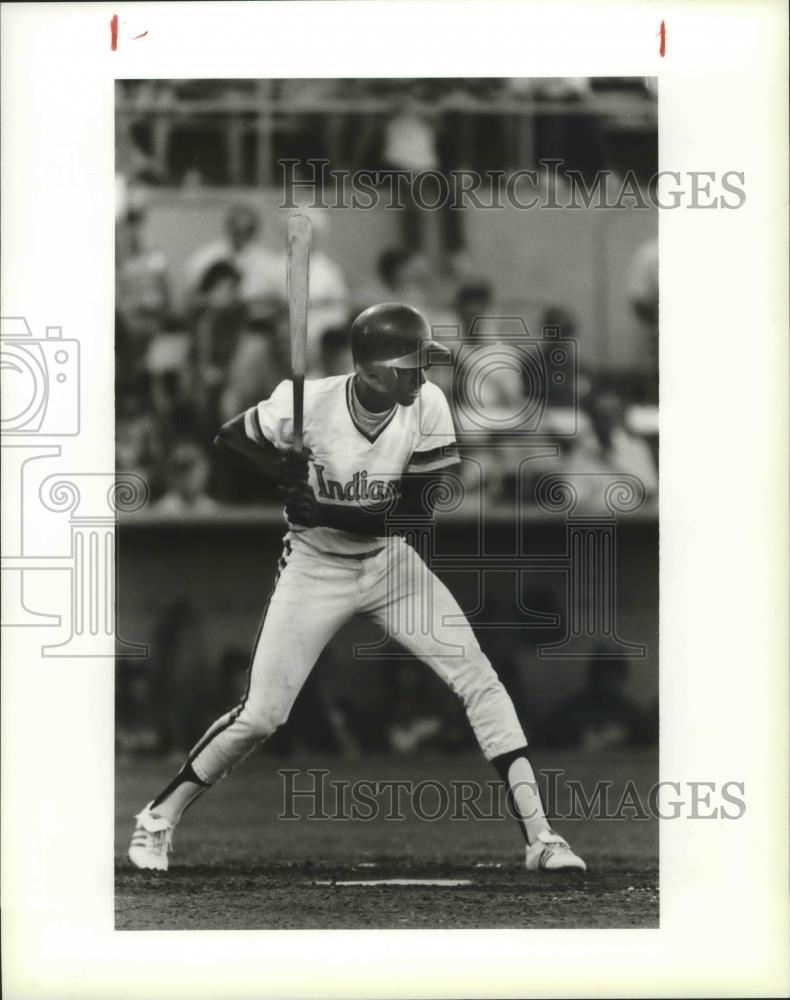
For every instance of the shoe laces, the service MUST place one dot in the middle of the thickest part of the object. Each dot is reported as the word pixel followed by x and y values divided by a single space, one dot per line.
pixel 553 840
pixel 158 832
pixel 161 841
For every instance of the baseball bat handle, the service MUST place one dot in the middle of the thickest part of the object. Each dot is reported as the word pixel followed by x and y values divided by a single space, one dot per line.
pixel 298 384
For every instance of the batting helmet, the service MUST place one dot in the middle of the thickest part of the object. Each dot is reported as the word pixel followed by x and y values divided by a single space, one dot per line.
pixel 394 335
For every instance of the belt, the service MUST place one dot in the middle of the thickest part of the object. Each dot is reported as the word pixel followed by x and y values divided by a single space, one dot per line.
pixel 340 555
pixel 356 555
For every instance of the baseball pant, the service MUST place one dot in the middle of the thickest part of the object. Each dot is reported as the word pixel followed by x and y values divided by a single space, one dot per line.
pixel 314 595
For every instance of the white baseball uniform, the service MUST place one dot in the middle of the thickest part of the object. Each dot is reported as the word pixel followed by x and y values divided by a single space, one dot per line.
pixel 326 575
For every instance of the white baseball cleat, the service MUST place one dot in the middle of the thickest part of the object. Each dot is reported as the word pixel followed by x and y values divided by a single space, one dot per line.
pixel 151 841
pixel 552 853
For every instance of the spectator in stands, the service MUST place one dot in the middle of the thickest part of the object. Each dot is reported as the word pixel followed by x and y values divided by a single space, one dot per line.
pixel 593 447
pixel 261 360
pixel 169 364
pixel 414 721
pixel 261 270
pixel 564 431
pixel 329 297
pixel 174 409
pixel 330 286
pixel 139 447
pixel 170 367
pixel 389 267
pixel 418 282
pixel 490 386
pixel 219 321
pixel 218 325
pixel 473 300
pixel 576 381
pixel 614 446
pixel 409 144
pixel 420 715
pixel 171 353
pixel 142 293
pixel 134 164
pixel 187 472
pixel 143 281
pixel 410 276
pixel 336 352
pixel 643 298
pixel 601 716
pixel 182 683
pixel 135 731
pixel 643 283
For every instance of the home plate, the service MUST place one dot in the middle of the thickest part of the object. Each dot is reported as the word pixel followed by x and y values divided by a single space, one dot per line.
pixel 443 882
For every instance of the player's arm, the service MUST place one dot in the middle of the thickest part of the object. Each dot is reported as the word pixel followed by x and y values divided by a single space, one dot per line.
pixel 282 465
pixel 233 439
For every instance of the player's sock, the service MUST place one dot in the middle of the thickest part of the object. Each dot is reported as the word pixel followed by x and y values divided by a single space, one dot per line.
pixel 180 793
pixel 523 795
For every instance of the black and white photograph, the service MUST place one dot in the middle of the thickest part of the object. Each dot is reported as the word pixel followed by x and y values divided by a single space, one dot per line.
pixel 386 372
pixel 394 499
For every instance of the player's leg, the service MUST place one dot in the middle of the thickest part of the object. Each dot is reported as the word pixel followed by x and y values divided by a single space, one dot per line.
pixel 419 612
pixel 311 600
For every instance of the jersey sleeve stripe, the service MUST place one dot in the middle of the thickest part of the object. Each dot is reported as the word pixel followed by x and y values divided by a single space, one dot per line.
pixel 252 426
pixel 424 458
pixel 441 463
pixel 437 458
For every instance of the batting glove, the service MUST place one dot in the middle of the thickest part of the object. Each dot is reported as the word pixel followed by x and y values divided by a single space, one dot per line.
pixel 293 470
pixel 301 506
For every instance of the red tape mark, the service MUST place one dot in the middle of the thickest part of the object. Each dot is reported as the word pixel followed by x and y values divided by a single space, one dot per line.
pixel 114 32
pixel 662 45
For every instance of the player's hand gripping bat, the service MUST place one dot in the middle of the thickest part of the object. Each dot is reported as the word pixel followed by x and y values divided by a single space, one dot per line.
pixel 299 229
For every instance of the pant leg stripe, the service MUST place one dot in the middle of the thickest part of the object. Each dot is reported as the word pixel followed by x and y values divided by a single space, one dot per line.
pixel 212 734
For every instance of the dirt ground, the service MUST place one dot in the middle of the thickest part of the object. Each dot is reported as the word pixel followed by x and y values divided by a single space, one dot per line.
pixel 236 865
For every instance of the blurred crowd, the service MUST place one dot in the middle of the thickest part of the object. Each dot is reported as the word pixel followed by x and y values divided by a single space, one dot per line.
pixel 182 372
pixel 184 368
pixel 192 133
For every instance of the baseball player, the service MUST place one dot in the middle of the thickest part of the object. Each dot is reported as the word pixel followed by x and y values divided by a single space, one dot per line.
pixel 370 457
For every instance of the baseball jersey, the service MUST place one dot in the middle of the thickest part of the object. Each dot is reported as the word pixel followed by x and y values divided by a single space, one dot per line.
pixel 348 465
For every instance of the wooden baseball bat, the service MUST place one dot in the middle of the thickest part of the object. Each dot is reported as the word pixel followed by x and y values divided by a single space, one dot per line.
pixel 299 230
